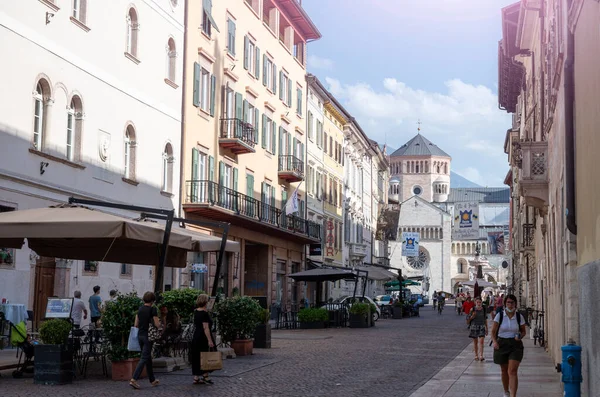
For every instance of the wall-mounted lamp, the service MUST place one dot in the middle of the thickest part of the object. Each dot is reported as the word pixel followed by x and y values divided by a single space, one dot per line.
pixel 43 166
pixel 49 16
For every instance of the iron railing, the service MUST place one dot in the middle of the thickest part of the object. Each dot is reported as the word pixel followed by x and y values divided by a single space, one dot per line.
pixel 208 192
pixel 291 163
pixel 528 234
pixel 239 129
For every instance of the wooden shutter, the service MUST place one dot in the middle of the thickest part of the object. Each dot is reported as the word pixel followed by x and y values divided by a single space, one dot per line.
pixel 274 138
pixel 256 119
pixel 281 153
pixel 194 183
pixel 289 95
pixel 264 131
pixel 265 73
pixel 302 151
pixel 246 111
pixel 273 196
pixel 249 185
pixel 290 149
pixel 211 168
pixel 213 90
pixel 246 54
pixel 325 142
pixel 295 151
pixel 257 64
pixel 263 190
pixel 221 173
pixel 274 79
pixel 235 179
pixel 196 84
pixel 299 106
pixel 281 85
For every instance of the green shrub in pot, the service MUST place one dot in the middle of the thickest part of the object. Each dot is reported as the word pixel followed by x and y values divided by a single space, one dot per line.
pixel 237 317
pixel 359 308
pixel 117 319
pixel 55 331
pixel 313 315
pixel 182 301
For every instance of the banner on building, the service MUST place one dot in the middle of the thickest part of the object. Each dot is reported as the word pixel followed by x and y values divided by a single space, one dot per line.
pixel 496 242
pixel 410 244
pixel 466 221
pixel 199 268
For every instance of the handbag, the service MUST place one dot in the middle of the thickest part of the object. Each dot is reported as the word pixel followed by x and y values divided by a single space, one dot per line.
pixel 188 333
pixel 154 333
pixel 133 344
pixel 211 360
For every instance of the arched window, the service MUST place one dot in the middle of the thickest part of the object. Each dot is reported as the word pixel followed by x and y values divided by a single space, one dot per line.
pixel 445 168
pixel 79 10
pixel 167 169
pixel 74 121
pixel 453 248
pixel 40 98
pixel 132 32
pixel 171 59
pixel 129 153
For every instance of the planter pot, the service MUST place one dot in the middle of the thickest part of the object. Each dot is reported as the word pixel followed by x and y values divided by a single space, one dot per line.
pixel 397 312
pixel 262 336
pixel 359 321
pixel 312 325
pixel 123 370
pixel 242 347
pixel 53 364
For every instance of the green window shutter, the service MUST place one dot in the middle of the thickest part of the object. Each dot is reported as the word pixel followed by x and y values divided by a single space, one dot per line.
pixel 221 173
pixel 235 179
pixel 211 168
pixel 273 196
pixel 264 131
pixel 256 119
pixel 291 149
pixel 283 198
pixel 289 96
pixel 249 185
pixel 257 63
pixel 231 37
pixel 263 190
pixel 294 150
pixel 207 4
pixel 280 85
pixel 274 138
pixel 309 125
pixel 299 107
pixel 302 151
pixel 265 70
pixel 239 114
pixel 274 79
pixel 213 91
pixel 246 111
pixel 281 141
pixel 196 84
pixel 246 55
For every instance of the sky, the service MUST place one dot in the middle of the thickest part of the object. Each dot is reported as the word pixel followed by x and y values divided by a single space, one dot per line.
pixel 392 63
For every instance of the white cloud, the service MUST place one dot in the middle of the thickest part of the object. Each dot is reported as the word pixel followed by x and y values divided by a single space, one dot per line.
pixel 315 62
pixel 464 121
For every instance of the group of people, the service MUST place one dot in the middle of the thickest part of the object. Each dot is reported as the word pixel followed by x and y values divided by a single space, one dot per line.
pixel 202 339
pixel 79 311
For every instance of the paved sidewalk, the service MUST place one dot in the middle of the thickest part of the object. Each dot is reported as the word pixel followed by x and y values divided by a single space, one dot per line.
pixel 465 377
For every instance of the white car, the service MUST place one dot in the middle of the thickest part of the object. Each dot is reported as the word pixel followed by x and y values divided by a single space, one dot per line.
pixel 381 300
pixel 344 299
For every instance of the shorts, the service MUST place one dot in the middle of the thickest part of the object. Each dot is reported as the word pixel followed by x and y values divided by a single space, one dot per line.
pixel 510 349
pixel 477 331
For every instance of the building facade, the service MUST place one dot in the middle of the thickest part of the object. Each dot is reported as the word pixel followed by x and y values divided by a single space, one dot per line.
pixel 245 139
pixel 90 108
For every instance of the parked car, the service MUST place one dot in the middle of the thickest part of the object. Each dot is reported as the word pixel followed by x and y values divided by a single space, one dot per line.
pixel 425 299
pixel 381 300
pixel 417 298
pixel 366 299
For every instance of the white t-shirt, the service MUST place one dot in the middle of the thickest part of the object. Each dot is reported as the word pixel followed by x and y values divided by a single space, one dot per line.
pixel 509 327
pixel 77 312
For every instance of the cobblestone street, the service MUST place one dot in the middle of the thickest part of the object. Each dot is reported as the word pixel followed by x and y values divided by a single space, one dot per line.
pixel 394 358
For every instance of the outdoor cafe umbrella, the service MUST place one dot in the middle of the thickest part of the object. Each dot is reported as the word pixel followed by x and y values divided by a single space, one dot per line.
pixel 323 274
pixel 74 232
pixel 395 283
pixel 480 282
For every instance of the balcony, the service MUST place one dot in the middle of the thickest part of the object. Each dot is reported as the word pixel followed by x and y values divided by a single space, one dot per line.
pixel 291 168
pixel 533 178
pixel 358 250
pixel 381 260
pixel 213 201
pixel 238 136
pixel 528 237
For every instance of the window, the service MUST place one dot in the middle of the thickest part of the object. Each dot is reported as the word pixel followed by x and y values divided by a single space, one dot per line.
pixel 167 169
pixel 269 74
pixel 309 125
pixel 40 98
pixel 204 89
pixel 251 57
pixel 125 270
pixel 270 15
pixel 319 134
pixel 318 190
pixel 231 36
pixel 171 59
pixel 199 176
pixel 299 103
pixel 268 134
pixel 79 10
pixel 74 120
pixel 325 142
pixel 417 190
pixel 132 32
pixel 285 88
pixel 207 19
pixel 299 47
pixel 129 157
pixel 7 255
pixel 90 267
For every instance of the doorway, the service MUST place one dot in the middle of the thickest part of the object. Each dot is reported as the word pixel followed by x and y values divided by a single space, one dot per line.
pixel 256 270
pixel 45 269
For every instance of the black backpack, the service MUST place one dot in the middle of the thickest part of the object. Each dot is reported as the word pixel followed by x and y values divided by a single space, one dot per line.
pixel 501 313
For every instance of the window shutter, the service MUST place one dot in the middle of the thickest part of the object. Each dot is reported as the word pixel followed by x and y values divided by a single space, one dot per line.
pixel 265 70
pixel 290 149
pixel 235 179
pixel 196 84
pixel 246 54
pixel 302 151
pixel 294 150
pixel 246 111
pixel 257 63
pixel 273 196
pixel 264 131
pixel 274 79
pixel 289 95
pixel 213 91
pixel 239 103
pixel 211 168
pixel 256 119
pixel 274 138
pixel 299 107
pixel 233 38
pixel 281 85
pixel 309 124
pixel 281 153
pixel 194 183
pixel 325 143
pixel 263 191
pixel 249 185
pixel 221 173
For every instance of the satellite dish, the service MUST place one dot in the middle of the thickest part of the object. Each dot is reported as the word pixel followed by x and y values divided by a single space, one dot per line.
pixel 504 264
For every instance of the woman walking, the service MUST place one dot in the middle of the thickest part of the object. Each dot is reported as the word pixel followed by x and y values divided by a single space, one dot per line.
pixel 507 332
pixel 146 314
pixel 479 328
pixel 202 339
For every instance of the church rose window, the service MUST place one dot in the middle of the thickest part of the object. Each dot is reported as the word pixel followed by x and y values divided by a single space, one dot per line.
pixel 417 190
pixel 418 262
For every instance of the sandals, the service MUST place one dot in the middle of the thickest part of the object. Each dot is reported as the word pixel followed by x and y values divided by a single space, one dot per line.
pixel 197 380
pixel 133 383
pixel 207 380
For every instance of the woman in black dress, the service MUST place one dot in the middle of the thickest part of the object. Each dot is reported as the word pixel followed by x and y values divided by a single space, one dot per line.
pixel 202 339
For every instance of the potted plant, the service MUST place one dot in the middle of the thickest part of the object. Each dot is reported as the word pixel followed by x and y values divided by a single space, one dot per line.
pixel 117 319
pixel 53 364
pixel 359 315
pixel 262 335
pixel 237 318
pixel 313 318
pixel 182 301
pixel 397 310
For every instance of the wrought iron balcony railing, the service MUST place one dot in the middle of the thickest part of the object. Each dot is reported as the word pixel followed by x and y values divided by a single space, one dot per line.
pixel 238 129
pixel 289 163
pixel 212 193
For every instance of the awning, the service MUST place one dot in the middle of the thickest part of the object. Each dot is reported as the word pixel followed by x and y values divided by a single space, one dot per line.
pixel 202 242
pixel 323 274
pixel 375 273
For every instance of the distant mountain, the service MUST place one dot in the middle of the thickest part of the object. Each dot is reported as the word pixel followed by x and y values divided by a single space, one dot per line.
pixel 457 181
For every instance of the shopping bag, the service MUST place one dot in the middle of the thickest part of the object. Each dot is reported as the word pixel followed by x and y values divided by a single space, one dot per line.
pixel 133 344
pixel 211 361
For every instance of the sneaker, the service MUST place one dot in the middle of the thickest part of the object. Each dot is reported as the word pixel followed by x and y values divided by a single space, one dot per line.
pixel 156 382
pixel 506 394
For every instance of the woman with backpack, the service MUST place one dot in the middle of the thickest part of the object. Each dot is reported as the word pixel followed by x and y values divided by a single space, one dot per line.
pixel 507 334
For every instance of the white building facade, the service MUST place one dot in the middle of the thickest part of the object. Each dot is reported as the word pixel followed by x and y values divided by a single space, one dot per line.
pixel 90 107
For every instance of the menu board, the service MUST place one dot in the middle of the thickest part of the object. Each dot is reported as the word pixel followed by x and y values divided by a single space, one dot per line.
pixel 59 307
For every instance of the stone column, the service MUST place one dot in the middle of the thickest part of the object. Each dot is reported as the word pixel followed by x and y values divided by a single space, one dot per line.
pixel 62 278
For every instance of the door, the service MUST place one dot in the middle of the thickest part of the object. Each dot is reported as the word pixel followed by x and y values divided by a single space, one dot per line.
pixel 44 287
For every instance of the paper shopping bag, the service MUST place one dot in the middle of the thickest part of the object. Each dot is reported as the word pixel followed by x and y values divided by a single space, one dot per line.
pixel 211 361
pixel 133 344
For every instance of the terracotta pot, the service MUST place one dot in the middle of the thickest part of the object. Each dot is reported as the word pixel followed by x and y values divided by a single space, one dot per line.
pixel 242 347
pixel 123 370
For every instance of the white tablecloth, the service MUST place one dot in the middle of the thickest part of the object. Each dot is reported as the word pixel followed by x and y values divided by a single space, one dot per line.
pixel 14 312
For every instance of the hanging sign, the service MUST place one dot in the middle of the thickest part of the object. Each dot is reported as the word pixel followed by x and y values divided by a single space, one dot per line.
pixel 199 268
pixel 410 244
pixel 466 221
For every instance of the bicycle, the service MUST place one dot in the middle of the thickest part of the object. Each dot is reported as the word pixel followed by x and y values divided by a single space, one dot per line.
pixel 538 331
pixel 440 307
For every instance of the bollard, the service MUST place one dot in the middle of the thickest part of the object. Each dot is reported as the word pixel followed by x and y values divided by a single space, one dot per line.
pixel 571 369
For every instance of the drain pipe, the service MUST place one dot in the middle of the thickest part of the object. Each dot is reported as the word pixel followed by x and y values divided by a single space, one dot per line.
pixel 569 85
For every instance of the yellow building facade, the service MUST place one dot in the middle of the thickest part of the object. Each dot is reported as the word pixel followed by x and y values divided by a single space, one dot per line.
pixel 243 151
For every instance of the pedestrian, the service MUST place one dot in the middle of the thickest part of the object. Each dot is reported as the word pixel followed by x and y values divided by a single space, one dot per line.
pixel 78 310
pixel 434 298
pixel 202 340
pixel 112 295
pixel 146 314
pixel 479 328
pixel 468 305
pixel 459 304
pixel 95 303
pixel 508 331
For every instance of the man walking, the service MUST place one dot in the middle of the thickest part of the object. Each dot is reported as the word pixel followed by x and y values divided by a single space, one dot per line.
pixel 95 302
pixel 78 310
